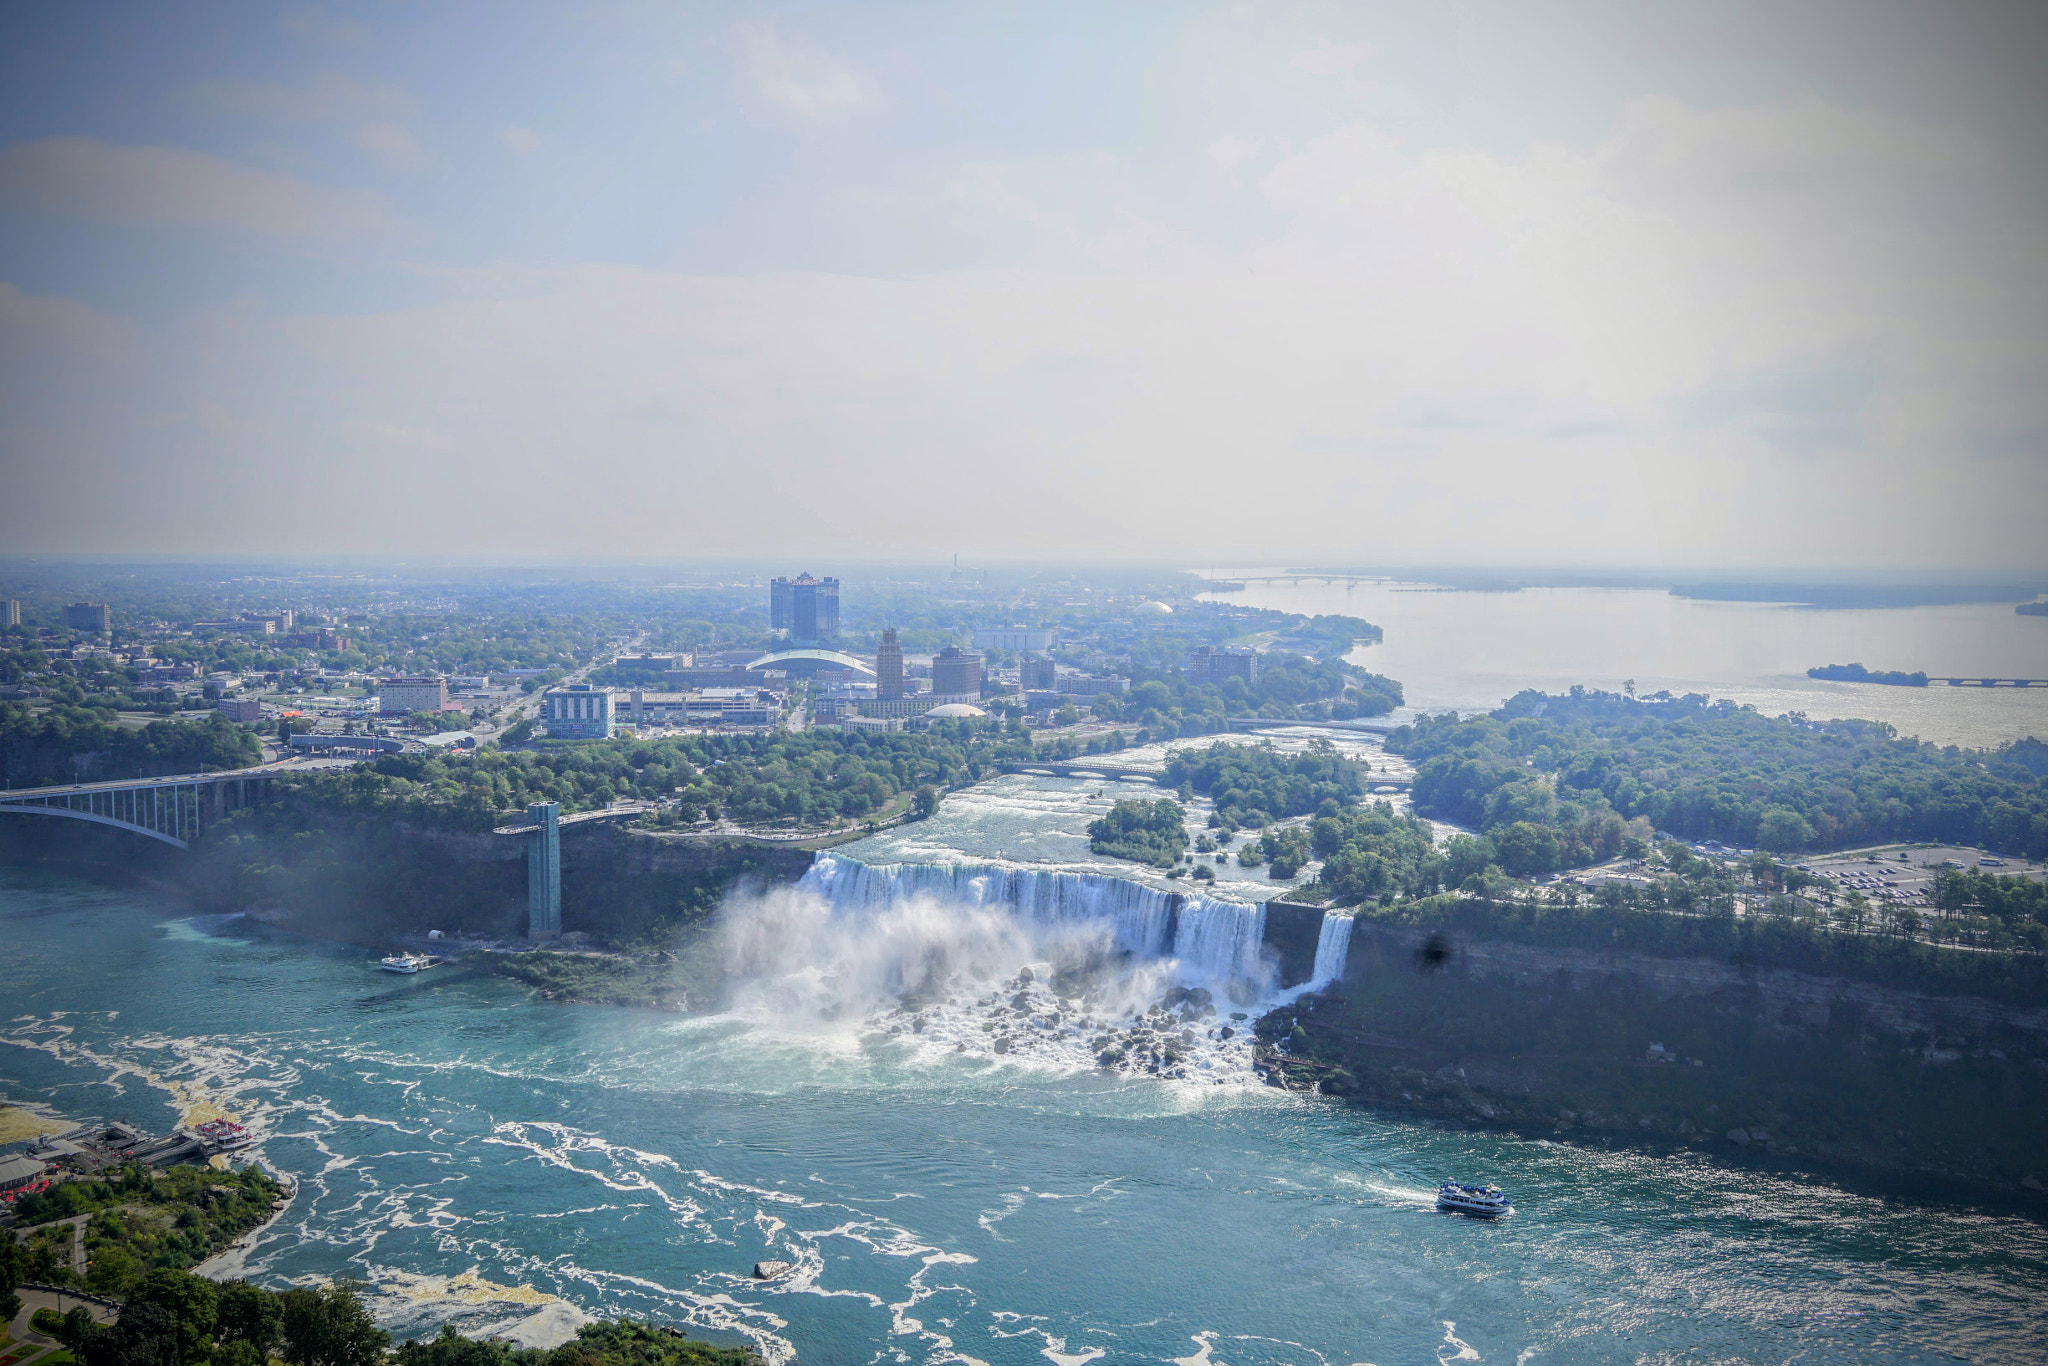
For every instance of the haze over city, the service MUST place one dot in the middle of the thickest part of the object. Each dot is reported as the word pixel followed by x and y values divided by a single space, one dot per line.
pixel 1230 684
pixel 1571 284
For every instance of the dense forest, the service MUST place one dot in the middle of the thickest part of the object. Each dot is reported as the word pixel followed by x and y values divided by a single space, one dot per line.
pixel 813 778
pixel 68 744
pixel 1143 832
pixel 1253 785
pixel 141 1219
pixel 1554 780
pixel 1290 687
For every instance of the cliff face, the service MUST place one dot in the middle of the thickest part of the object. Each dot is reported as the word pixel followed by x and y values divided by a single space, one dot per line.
pixel 363 880
pixel 1681 1049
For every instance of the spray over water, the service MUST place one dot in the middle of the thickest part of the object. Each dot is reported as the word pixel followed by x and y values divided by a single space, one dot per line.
pixel 984 962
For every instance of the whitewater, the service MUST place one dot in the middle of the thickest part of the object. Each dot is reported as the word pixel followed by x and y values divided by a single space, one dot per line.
pixel 906 1100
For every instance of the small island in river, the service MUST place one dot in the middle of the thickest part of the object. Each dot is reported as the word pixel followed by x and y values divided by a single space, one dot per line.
pixel 1856 673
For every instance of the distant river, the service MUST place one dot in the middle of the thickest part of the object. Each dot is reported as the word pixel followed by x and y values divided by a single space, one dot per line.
pixel 1470 650
pixel 485 1158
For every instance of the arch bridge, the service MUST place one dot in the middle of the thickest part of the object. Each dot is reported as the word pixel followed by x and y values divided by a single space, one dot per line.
pixel 172 810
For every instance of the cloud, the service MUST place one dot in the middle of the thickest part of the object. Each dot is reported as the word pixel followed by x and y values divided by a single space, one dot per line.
pixel 169 186
pixel 1333 59
pixel 1559 353
pixel 796 76
pixel 32 324
pixel 329 98
pixel 524 141
pixel 373 116
pixel 392 145
pixel 1229 153
pixel 323 28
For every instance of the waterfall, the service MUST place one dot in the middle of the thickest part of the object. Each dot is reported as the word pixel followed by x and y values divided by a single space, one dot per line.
pixel 1333 947
pixel 1213 940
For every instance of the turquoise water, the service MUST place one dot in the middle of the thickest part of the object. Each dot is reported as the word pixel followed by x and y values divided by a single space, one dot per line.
pixel 482 1157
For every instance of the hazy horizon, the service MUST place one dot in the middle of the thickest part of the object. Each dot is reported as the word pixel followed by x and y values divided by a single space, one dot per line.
pixel 1760 293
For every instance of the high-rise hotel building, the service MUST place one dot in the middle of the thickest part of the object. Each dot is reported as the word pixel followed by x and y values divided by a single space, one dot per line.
pixel 807 608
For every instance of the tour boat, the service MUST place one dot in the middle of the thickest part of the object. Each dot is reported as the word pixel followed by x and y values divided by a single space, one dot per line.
pixel 224 1135
pixel 1484 1202
pixel 400 962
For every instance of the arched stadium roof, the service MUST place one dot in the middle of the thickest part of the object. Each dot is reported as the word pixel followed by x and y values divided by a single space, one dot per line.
pixel 815 659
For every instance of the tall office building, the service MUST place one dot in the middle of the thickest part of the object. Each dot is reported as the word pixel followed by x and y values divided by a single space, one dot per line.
pixel 889 667
pixel 94 618
pixel 1036 672
pixel 805 607
pixel 10 611
pixel 956 673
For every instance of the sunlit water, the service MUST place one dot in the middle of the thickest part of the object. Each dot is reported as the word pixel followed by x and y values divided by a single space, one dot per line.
pixel 482 1157
pixel 1470 650
pixel 1024 819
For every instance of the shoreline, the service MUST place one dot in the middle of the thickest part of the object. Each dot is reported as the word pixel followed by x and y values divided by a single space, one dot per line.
pixel 235 1252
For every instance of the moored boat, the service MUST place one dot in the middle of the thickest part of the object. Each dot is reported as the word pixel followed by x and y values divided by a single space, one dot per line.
pixel 401 962
pixel 1482 1202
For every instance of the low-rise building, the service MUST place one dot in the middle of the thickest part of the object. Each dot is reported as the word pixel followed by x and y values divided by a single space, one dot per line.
pixel 241 626
pixel 1016 638
pixel 648 668
pixel 404 696
pixel 17 1170
pixel 580 711
pixel 1077 684
pixel 1207 664
pixel 245 710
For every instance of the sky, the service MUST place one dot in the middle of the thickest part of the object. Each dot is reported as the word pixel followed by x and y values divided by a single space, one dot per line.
pixel 1731 286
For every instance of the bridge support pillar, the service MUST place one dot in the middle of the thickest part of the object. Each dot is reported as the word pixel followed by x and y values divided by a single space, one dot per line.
pixel 544 871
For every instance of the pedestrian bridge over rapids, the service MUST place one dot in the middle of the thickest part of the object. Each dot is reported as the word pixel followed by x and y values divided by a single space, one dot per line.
pixel 172 810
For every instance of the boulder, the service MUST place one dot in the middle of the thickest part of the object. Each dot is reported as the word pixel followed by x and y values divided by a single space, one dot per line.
pixel 768 1271
pixel 2032 1182
pixel 1740 1136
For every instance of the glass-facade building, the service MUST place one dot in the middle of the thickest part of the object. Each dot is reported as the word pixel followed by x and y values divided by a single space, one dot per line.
pixel 807 608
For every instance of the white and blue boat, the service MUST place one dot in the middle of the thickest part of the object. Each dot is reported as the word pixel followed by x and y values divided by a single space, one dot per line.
pixel 1481 1202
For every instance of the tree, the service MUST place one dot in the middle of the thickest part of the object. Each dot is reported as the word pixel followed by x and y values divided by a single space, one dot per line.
pixel 1783 830
pixel 1467 855
pixel 10 1276
pixel 330 1327
pixel 77 1330
pixel 193 1302
pixel 250 1314
pixel 924 801
pixel 145 1335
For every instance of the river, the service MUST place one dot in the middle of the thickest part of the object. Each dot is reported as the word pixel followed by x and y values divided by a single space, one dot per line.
pixel 481 1157
pixel 1469 650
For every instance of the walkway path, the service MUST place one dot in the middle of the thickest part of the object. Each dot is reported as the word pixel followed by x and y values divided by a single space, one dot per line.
pixel 40 1345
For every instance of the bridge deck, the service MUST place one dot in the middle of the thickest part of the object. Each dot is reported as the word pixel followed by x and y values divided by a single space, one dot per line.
pixel 174 780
